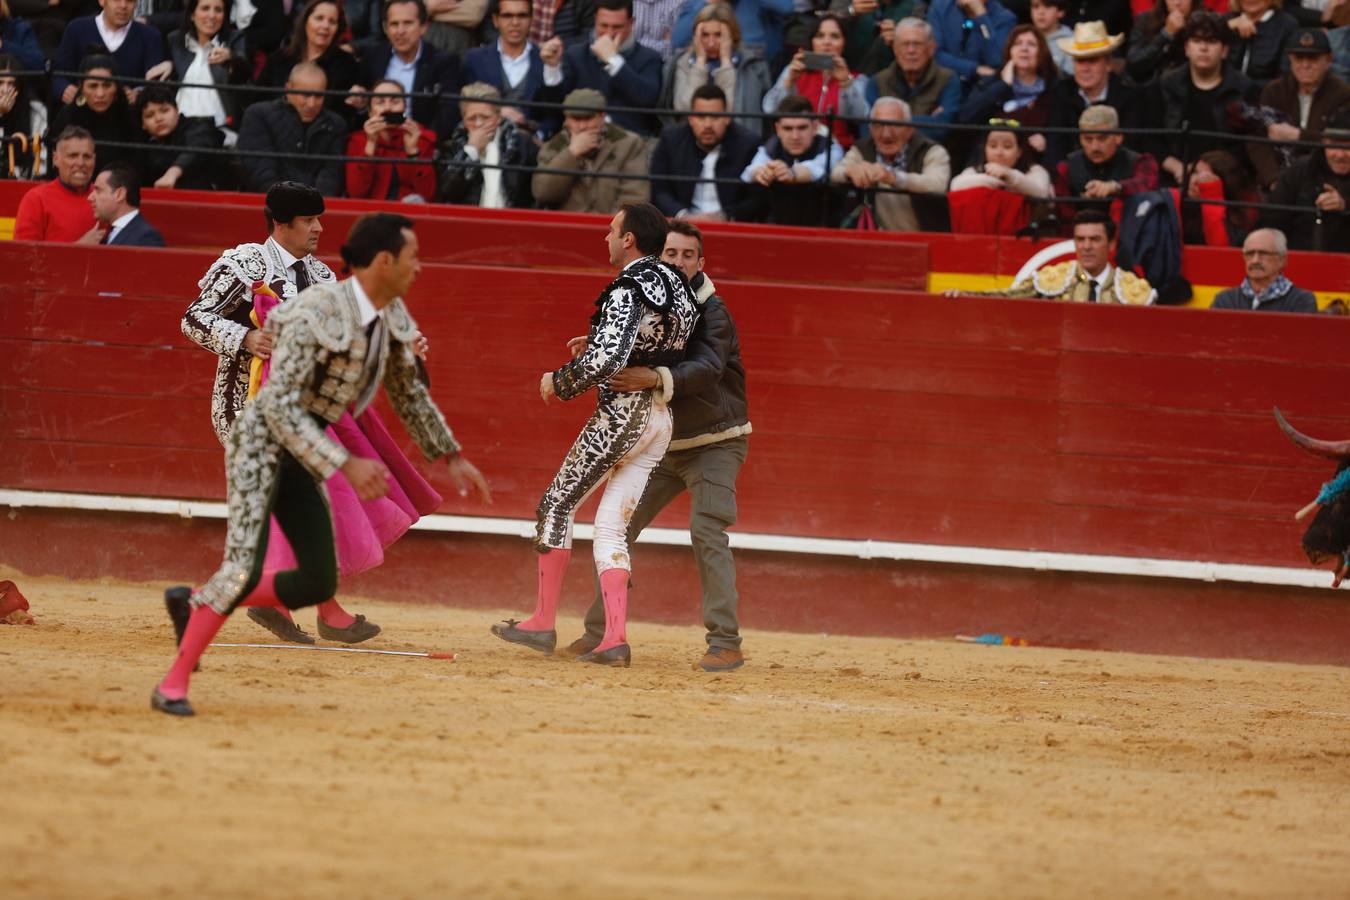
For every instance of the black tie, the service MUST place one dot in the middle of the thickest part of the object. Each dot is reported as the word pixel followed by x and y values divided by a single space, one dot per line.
pixel 301 276
pixel 1092 290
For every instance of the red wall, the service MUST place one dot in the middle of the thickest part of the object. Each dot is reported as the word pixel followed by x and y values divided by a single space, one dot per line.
pixel 882 415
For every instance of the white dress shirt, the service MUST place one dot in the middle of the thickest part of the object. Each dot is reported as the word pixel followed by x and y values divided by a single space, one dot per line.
pixel 404 73
pixel 119 223
pixel 705 192
pixel 515 69
pixel 111 39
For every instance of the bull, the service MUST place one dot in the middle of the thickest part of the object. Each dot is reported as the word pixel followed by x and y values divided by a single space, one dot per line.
pixel 1328 536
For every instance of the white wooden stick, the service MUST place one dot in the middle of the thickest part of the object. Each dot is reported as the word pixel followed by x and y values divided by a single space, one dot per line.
pixel 450 656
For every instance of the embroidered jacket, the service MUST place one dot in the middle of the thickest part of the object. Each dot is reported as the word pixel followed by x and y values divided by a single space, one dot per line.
pixel 1063 281
pixel 219 318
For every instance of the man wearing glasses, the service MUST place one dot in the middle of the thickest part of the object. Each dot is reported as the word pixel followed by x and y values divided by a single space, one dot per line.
pixel 513 65
pixel 1265 288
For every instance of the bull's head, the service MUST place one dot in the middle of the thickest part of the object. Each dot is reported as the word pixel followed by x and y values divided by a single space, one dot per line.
pixel 1328 537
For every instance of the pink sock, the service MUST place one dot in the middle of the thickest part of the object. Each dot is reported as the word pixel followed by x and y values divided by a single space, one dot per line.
pixel 335 615
pixel 265 594
pixel 614 587
pixel 552 568
pixel 201 630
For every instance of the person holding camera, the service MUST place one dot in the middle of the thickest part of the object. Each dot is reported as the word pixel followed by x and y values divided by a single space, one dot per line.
pixel 823 77
pixel 389 134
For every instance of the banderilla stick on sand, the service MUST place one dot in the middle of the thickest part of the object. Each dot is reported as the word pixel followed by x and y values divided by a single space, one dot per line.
pixel 449 656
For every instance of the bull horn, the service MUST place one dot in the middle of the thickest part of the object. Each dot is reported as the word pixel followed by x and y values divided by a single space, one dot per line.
pixel 1337 450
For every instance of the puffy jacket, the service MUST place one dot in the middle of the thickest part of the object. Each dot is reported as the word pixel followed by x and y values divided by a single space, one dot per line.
pixel 708 404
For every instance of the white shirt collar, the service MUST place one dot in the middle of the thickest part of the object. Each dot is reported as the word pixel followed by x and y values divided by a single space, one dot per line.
pixel 1266 18
pixel 396 60
pixel 363 303
pixel 286 258
pixel 121 222
pixel 633 263
pixel 110 34
pixel 1102 278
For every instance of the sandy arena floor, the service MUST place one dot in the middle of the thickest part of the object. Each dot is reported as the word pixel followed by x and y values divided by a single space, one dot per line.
pixel 828 767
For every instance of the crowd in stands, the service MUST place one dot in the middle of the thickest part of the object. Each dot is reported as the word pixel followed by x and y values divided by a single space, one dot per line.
pixel 990 116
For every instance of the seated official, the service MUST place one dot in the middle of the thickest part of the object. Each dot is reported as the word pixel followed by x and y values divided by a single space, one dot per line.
pixel 709 146
pixel 1090 278
pixel 388 134
pixel 1265 253
pixel 623 71
pixel 296 128
pixel 59 210
pixel 788 174
pixel 116 201
pixel 173 163
pixel 474 161
pixel 911 171
pixel 1103 168
pixel 586 144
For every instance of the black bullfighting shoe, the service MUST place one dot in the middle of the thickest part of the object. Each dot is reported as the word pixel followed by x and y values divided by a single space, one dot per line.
pixel 355 633
pixel 582 645
pixel 543 641
pixel 279 624
pixel 180 610
pixel 172 707
pixel 618 655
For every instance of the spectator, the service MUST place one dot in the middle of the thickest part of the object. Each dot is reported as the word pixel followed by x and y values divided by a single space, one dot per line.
pixel 1266 289
pixel 484 140
pixel 100 109
pixel 1103 169
pixel 136 49
pixel 318 28
pixel 1003 165
pixel 900 173
pixel 23 122
pixel 717 57
pixel 290 130
pixel 789 172
pixel 1199 95
pixel 1320 13
pixel 1090 278
pixel 761 23
pixel 389 134
pixel 970 35
pixel 116 202
pixel 18 39
pixel 1022 87
pixel 1261 30
pixel 570 21
pixel 1155 47
pixel 836 90
pixel 421 68
pixel 932 92
pixel 1340 50
pixel 206 51
pixel 1304 95
pixel 513 65
pixel 1048 17
pixel 709 146
pixel 1217 175
pixel 869 29
pixel 615 64
pixel 1093 82
pixel 173 163
pixel 1320 184
pixel 586 145
pixel 653 24
pixel 454 24
pixel 57 210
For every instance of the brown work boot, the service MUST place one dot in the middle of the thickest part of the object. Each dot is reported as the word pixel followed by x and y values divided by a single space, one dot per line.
pixel 721 659
pixel 580 647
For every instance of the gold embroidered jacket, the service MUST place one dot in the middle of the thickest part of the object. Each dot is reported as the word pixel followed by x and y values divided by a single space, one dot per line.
pixel 1064 281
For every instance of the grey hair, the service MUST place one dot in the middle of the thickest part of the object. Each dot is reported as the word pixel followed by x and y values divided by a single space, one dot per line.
pixel 1099 115
pixel 479 90
pixel 1281 242
pixel 905 112
pixel 912 22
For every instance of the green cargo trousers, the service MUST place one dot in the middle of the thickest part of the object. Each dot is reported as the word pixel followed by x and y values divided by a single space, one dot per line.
pixel 709 474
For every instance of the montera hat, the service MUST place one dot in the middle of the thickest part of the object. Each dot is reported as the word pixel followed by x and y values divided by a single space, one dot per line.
pixel 1308 42
pixel 584 102
pixel 1090 40
pixel 288 199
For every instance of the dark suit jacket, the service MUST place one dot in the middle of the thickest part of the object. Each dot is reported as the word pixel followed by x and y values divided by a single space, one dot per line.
pixel 638 84
pixel 435 69
pixel 142 50
pixel 677 153
pixel 275 127
pixel 137 233
pixel 1067 105
pixel 483 64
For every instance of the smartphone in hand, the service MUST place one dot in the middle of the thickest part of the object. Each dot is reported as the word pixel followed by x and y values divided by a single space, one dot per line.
pixel 818 62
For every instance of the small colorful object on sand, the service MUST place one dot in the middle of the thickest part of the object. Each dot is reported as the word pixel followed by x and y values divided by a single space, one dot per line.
pixel 997 640
pixel 13 606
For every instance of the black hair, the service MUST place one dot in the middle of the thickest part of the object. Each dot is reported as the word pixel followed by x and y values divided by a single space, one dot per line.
pixel 794 106
pixel 1026 154
pixel 1062 4
pixel 157 93
pixel 20 118
pixel 97 61
pixel 422 15
pixel 373 234
pixel 495 7
pixel 1096 217
pixel 190 29
pixel 827 17
pixel 648 226
pixel 688 229
pixel 625 5
pixel 123 176
pixel 1205 26
pixel 297 48
pixel 709 91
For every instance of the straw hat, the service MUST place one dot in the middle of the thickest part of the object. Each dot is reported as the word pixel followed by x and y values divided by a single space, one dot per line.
pixel 1090 40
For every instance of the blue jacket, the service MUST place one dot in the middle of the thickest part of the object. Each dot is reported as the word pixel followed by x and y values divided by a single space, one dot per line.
pixel 19 39
pixel 142 50
pixel 962 49
pixel 638 84
pixel 761 23
pixel 137 233
pixel 483 64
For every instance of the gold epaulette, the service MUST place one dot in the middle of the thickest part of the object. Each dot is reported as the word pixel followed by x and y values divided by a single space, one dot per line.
pixel 1132 289
pixel 1053 280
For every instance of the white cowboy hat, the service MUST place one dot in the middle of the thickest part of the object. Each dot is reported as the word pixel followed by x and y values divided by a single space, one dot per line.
pixel 1090 40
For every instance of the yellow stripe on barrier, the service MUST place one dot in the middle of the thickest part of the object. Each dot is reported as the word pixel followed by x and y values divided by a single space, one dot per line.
pixel 6 229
